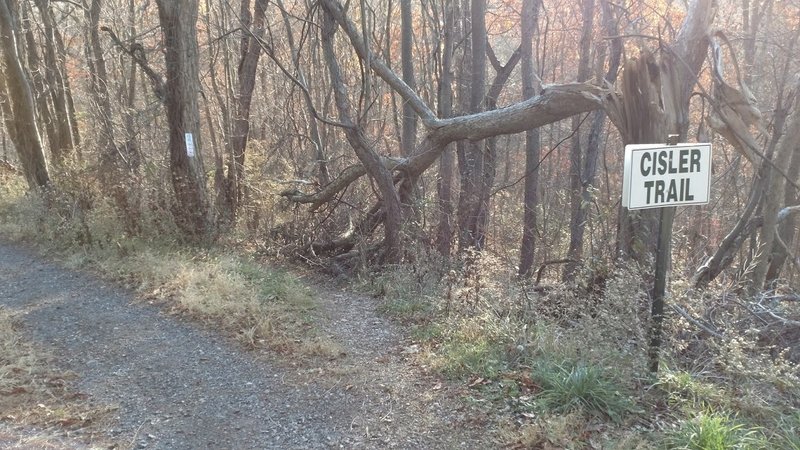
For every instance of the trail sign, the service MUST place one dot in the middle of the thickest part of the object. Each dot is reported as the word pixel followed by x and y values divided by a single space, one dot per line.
pixel 664 176
pixel 658 175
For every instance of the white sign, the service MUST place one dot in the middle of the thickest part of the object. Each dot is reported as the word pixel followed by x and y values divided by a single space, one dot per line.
pixel 658 175
pixel 189 145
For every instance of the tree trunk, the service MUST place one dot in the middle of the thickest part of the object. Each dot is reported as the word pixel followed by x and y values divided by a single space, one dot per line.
pixel 73 121
pixel 582 205
pixel 63 145
pixel 576 160
pixel 530 85
pixel 652 101
pixel 240 125
pixel 178 20
pixel 115 163
pixel 409 136
pixel 776 187
pixel 19 109
pixel 131 140
pixel 786 230
pixel 444 187
pixel 371 161
pixel 489 170
pixel 320 153
pixel 38 86
pixel 99 87
pixel 476 161
pixel 746 224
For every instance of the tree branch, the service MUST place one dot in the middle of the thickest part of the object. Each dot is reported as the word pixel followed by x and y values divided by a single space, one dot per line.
pixel 381 69
pixel 556 103
pixel 137 53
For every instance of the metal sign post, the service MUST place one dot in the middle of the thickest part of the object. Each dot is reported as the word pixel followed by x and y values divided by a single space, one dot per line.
pixel 658 176
pixel 663 259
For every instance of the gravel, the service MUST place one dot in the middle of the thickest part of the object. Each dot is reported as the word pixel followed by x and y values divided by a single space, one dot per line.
pixel 177 385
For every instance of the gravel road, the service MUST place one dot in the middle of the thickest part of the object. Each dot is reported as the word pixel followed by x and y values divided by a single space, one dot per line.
pixel 176 385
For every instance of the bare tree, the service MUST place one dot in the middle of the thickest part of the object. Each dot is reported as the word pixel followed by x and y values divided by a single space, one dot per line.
pixel 240 124
pixel 17 101
pixel 116 163
pixel 475 160
pixel 63 145
pixel 409 136
pixel 320 154
pixel 39 88
pixel 583 173
pixel 552 104
pixel 652 101
pixel 769 238
pixel 355 136
pixel 733 111
pixel 444 187
pixel 530 86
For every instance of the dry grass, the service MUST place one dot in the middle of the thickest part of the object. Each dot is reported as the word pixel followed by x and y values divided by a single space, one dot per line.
pixel 262 307
pixel 38 396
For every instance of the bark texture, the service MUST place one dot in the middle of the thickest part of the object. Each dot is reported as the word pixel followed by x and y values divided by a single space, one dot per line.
pixel 240 123
pixel 178 20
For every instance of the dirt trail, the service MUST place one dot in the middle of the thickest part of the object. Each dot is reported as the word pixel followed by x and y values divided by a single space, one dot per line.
pixel 176 385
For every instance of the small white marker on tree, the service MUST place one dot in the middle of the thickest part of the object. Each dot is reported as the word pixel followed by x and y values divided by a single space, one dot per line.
pixel 189 145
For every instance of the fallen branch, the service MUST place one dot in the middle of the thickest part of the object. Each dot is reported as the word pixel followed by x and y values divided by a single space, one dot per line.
pixel 696 322
pixel 784 298
pixel 550 263
pixel 782 320
pixel 553 104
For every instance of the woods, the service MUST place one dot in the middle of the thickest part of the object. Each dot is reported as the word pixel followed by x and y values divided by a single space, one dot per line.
pixel 462 158
pixel 447 99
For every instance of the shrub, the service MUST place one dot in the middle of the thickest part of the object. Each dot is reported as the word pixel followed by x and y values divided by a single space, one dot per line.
pixel 714 431
pixel 570 386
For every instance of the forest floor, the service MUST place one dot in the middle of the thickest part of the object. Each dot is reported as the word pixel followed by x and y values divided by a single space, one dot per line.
pixel 133 375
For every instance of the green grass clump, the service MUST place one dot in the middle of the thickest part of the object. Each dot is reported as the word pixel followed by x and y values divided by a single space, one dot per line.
pixel 411 310
pixel 714 431
pixel 682 388
pixel 571 386
pixel 275 285
pixel 483 358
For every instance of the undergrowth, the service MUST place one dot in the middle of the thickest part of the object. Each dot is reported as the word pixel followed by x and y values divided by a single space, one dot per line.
pixel 575 386
pixel 565 365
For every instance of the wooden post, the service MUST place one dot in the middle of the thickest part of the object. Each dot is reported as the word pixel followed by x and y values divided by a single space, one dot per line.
pixel 663 257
